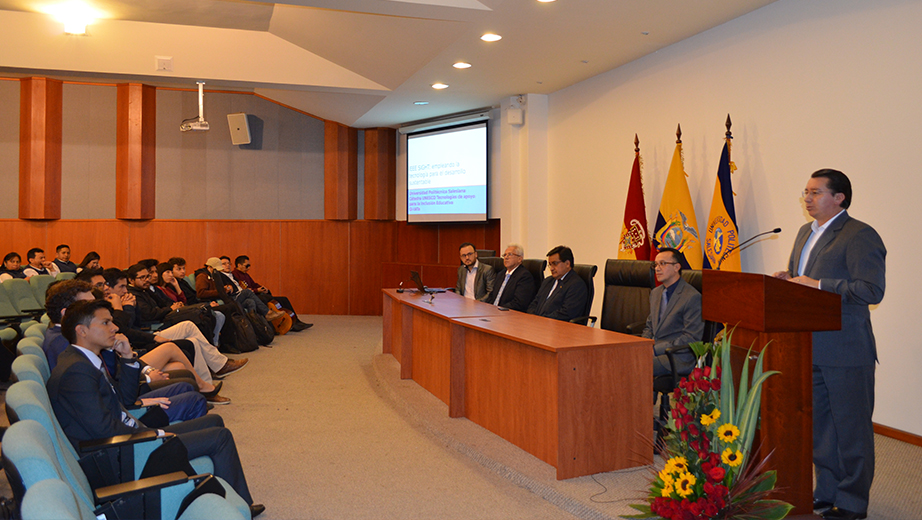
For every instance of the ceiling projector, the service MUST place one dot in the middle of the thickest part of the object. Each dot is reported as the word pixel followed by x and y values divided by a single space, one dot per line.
pixel 194 126
pixel 199 124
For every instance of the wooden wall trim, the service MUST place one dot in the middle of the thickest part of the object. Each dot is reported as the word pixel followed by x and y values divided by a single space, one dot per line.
pixel 40 129
pixel 340 172
pixel 380 174
pixel 136 152
pixel 900 435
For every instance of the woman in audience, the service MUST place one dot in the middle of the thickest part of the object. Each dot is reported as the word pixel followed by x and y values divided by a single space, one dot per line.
pixel 90 261
pixel 168 285
pixel 12 267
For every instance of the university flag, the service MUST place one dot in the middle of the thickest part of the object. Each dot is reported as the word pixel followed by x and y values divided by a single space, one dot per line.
pixel 634 243
pixel 722 233
pixel 676 225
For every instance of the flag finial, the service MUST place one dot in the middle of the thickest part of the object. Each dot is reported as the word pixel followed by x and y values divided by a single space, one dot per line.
pixel 636 144
pixel 678 134
pixel 729 134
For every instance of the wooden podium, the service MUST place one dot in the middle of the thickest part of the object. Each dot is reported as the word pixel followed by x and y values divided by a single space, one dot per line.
pixel 768 310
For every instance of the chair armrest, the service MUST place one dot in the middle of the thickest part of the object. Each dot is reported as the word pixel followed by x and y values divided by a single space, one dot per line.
pixel 636 328
pixel 118 441
pixel 144 485
pixel 588 321
pixel 671 353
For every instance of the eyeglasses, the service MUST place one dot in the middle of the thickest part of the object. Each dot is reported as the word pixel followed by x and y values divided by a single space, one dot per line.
pixel 466 255
pixel 813 193
pixel 555 263
pixel 247 266
pixel 663 264
pixel 509 255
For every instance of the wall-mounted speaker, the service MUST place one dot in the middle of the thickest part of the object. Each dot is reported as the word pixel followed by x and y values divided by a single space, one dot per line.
pixel 239 128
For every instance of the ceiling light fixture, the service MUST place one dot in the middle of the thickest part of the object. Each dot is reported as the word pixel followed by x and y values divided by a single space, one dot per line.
pixel 546 1
pixel 439 86
pixel 420 102
pixel 75 15
pixel 462 65
pixel 490 37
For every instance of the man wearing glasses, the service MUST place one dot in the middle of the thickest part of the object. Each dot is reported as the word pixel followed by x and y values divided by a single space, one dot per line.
pixel 675 314
pixel 475 280
pixel 563 295
pixel 839 254
pixel 517 287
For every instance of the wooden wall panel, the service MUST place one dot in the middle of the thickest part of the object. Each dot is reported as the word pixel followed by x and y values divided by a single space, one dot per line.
pixel 21 236
pixel 380 174
pixel 443 276
pixel 451 236
pixel 257 239
pixel 491 238
pixel 316 259
pixel 163 239
pixel 340 172
pixel 136 152
pixel 393 273
pixel 417 243
pixel 109 238
pixel 370 245
pixel 40 129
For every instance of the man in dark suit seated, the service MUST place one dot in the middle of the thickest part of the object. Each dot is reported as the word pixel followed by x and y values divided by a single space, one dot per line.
pixel 516 289
pixel 563 295
pixel 87 401
pixel 475 280
pixel 675 314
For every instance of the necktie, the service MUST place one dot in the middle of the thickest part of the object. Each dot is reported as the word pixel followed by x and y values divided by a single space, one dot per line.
pixel 501 288
pixel 126 418
pixel 662 307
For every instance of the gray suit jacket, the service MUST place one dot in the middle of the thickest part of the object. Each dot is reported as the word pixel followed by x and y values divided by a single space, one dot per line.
pixel 681 325
pixel 849 260
pixel 483 281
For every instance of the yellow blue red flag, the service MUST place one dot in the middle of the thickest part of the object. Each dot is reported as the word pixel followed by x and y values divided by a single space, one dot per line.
pixel 676 224
pixel 722 233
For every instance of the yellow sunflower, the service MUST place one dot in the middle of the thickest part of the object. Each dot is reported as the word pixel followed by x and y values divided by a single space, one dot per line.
pixel 685 485
pixel 710 418
pixel 728 433
pixel 732 458
pixel 667 490
pixel 666 477
pixel 676 464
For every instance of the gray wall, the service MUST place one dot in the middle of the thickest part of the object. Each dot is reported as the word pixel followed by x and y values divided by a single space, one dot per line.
pixel 9 149
pixel 88 144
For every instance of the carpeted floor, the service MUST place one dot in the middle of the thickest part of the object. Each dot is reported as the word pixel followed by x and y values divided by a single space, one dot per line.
pixel 326 429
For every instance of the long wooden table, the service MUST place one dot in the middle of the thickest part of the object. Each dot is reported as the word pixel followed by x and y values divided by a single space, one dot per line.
pixel 577 398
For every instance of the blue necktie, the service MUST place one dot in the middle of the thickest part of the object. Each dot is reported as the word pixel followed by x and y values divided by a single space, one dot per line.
pixel 501 288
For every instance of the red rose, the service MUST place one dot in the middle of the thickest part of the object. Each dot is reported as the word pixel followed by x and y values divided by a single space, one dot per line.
pixel 710 510
pixel 716 474
pixel 715 384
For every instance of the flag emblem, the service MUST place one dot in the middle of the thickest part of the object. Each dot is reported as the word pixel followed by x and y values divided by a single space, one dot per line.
pixel 633 237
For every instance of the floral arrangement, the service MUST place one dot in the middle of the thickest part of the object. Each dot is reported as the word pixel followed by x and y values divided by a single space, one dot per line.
pixel 708 443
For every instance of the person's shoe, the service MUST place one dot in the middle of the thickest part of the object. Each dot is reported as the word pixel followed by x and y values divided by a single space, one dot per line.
pixel 298 326
pixel 821 505
pixel 843 514
pixel 232 365
pixel 256 510
pixel 273 314
pixel 217 389
pixel 218 399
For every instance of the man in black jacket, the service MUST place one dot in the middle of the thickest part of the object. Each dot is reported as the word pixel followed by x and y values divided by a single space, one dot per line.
pixel 514 289
pixel 563 295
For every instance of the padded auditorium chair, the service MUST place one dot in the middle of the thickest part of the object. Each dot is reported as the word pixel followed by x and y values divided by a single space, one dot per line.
pixel 626 302
pixel 495 262
pixel 587 273
pixel 23 299
pixel 536 267
pixel 485 252
pixel 39 284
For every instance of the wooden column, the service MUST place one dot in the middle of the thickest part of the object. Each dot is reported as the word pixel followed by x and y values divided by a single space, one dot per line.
pixel 136 154
pixel 40 116
pixel 340 172
pixel 380 174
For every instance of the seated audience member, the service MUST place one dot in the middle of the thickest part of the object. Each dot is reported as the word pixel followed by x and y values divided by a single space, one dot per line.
pixel 90 261
pixel 208 361
pixel 160 353
pixel 169 287
pixel 205 289
pixel 62 259
pixel 179 273
pixel 475 280
pixel 12 267
pixel 516 289
pixel 242 276
pixel 563 295
pixel 675 314
pixel 183 401
pixel 38 264
pixel 89 406
pixel 150 307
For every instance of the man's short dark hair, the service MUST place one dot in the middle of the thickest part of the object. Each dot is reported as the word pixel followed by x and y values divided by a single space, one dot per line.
pixel 462 246
pixel 225 257
pixel 677 255
pixel 10 256
pixel 113 275
pixel 60 247
pixel 242 259
pixel 176 260
pixel 564 253
pixel 62 295
pixel 87 274
pixel 133 271
pixel 837 182
pixel 33 252
pixel 81 313
pixel 149 263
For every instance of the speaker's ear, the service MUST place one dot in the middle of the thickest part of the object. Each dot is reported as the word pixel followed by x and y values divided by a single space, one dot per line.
pixel 239 128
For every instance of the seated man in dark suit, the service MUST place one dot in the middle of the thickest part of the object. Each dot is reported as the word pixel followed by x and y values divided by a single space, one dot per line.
pixel 516 288
pixel 563 295
pixel 475 280
pixel 88 403
pixel 675 314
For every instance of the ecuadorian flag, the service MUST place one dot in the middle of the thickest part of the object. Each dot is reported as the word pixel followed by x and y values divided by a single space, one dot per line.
pixel 676 225
pixel 722 233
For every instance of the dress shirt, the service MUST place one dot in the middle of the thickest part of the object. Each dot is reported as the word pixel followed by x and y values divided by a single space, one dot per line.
pixel 814 236
pixel 469 281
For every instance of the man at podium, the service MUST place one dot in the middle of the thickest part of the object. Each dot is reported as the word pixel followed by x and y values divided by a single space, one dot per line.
pixel 839 254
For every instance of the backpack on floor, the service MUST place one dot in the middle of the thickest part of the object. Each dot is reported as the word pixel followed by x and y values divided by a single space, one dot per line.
pixel 265 332
pixel 243 330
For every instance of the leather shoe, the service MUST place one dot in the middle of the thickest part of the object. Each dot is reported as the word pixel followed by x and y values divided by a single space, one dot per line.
pixel 217 388
pixel 821 505
pixel 256 510
pixel 843 514
pixel 232 365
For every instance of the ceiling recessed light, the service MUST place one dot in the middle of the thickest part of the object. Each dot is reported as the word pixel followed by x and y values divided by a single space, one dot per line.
pixel 75 15
pixel 584 61
pixel 439 86
pixel 645 33
pixel 490 37
pixel 420 102
pixel 462 65
pixel 546 1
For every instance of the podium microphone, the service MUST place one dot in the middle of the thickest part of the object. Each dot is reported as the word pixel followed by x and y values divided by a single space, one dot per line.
pixel 400 289
pixel 734 248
